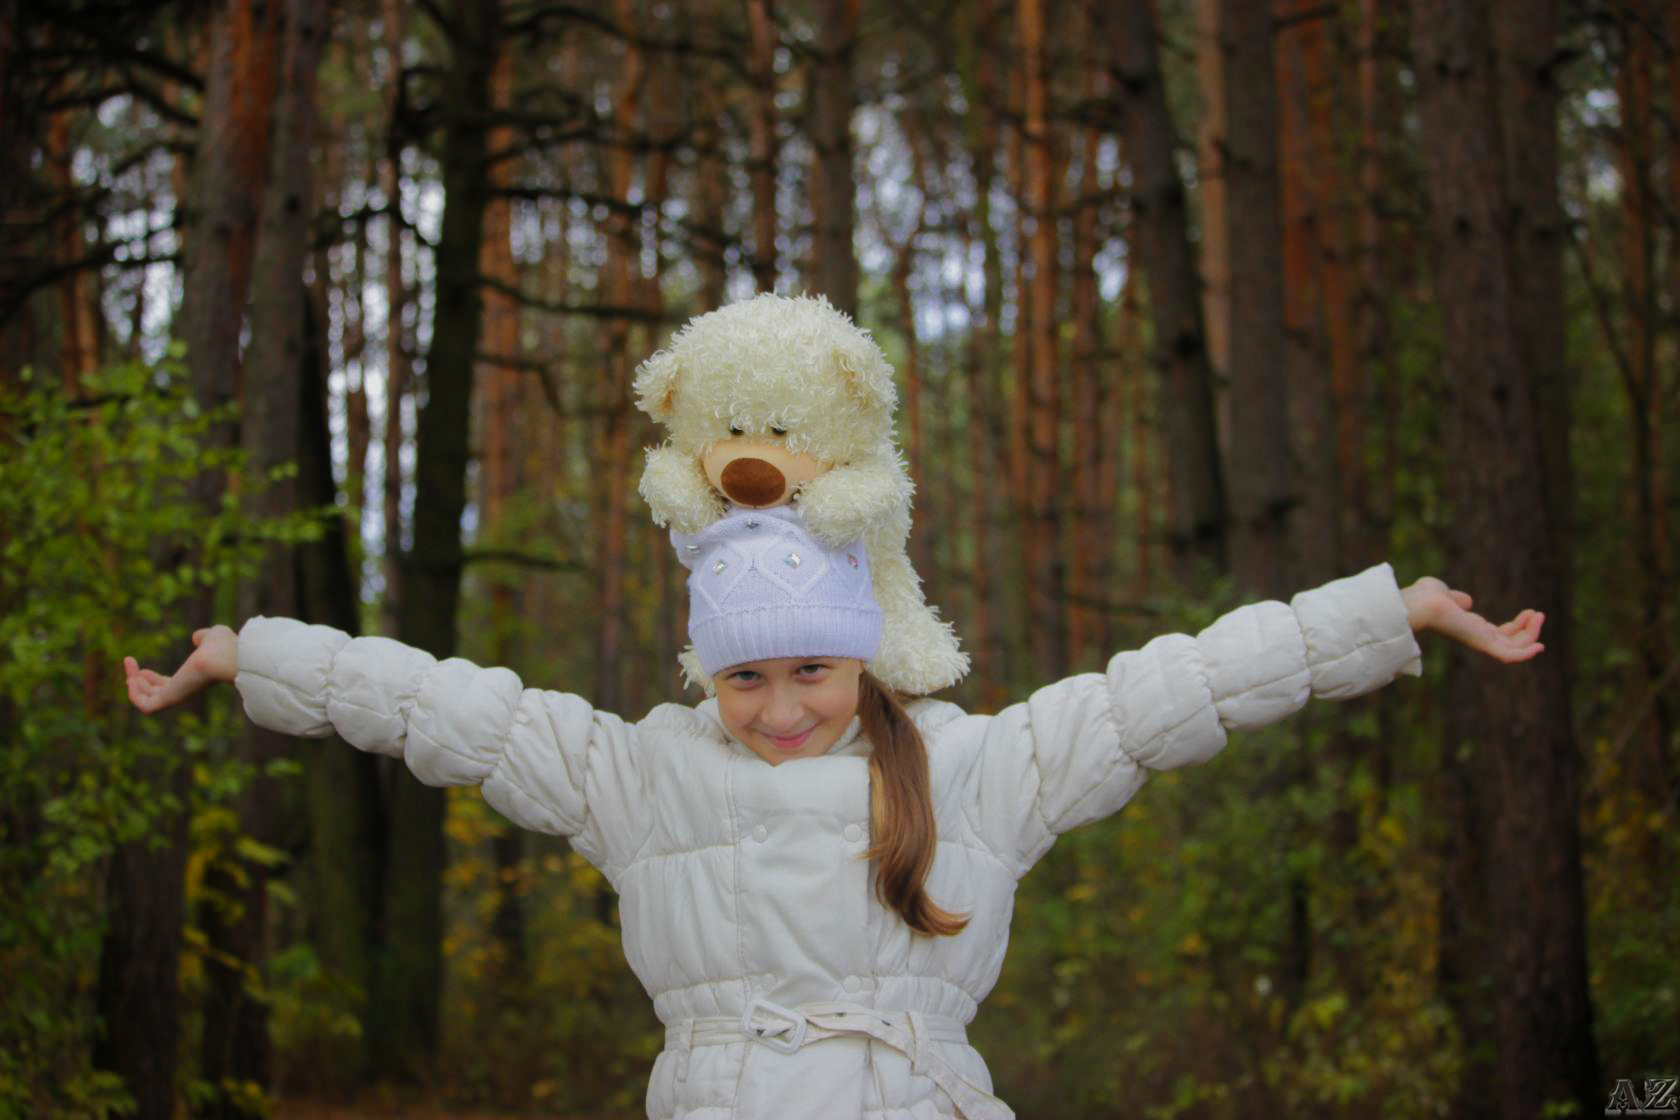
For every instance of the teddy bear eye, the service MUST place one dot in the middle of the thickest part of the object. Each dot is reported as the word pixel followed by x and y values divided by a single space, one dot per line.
pixel 778 431
pixel 734 431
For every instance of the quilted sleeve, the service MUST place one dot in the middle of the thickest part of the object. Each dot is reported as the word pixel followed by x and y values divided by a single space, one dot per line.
pixel 548 760
pixel 1077 750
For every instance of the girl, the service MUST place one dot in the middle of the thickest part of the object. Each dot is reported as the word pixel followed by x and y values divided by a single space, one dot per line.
pixel 815 936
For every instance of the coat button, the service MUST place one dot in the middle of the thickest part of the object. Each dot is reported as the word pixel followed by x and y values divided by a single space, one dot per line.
pixel 851 983
pixel 854 833
pixel 760 833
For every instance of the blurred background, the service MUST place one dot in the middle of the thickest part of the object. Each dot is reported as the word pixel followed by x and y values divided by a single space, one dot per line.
pixel 331 311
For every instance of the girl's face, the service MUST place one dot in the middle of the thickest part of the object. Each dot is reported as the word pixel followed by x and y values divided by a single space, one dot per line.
pixel 789 707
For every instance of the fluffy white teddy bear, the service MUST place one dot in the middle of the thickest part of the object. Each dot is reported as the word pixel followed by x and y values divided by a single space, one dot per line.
pixel 776 399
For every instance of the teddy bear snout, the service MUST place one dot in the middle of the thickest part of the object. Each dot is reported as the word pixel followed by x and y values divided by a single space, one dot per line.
pixel 753 482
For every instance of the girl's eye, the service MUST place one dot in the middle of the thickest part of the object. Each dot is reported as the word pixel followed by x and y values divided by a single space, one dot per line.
pixel 818 667
pixel 745 676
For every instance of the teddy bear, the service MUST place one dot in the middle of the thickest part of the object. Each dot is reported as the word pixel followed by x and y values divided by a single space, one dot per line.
pixel 783 400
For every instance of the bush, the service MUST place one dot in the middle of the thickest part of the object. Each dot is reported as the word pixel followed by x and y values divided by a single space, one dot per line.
pixel 101 542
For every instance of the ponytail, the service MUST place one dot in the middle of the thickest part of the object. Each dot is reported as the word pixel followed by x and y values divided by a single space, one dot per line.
pixel 901 811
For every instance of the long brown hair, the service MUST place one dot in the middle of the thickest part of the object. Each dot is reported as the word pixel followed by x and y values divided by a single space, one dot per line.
pixel 901 811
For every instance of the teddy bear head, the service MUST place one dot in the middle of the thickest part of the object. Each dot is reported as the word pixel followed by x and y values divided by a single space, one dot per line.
pixel 770 392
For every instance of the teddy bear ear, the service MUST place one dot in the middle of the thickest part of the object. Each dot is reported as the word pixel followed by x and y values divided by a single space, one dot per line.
pixel 868 377
pixel 656 385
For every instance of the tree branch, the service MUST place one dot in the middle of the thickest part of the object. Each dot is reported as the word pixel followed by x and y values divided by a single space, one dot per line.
pixel 523 559
pixel 553 307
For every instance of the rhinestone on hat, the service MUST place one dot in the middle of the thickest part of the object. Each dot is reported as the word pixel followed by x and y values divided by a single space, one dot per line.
pixel 791 559
pixel 852 559
pixel 720 565
pixel 693 548
pixel 753 524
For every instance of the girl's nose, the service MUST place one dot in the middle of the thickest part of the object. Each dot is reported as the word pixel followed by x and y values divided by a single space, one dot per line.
pixel 784 713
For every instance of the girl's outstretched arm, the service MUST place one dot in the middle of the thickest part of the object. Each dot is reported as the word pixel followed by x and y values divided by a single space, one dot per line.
pixel 1077 750
pixel 547 760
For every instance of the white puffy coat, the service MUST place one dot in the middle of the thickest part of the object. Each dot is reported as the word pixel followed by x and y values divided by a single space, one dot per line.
pixel 740 894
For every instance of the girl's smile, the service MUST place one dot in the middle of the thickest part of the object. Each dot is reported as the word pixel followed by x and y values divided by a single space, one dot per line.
pixel 790 742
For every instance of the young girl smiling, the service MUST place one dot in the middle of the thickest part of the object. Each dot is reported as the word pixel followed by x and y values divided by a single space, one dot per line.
pixel 816 876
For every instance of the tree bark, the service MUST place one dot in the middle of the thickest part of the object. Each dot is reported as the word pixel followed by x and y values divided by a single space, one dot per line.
pixel 1214 247
pixel 139 998
pixel 1262 491
pixel 76 351
pixel 979 374
pixel 499 386
pixel 619 289
pixel 1503 525
pixel 1046 595
pixel 342 788
pixel 1197 526
pixel 236 1046
pixel 1089 544
pixel 409 973
pixel 835 184
pixel 762 144
pixel 1644 384
pixel 393 32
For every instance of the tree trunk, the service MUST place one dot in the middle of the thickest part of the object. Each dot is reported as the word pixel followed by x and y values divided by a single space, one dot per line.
pixel 346 814
pixel 1644 381
pixel 834 182
pixel 1215 243
pixel 666 116
pixel 1262 493
pixel 1018 636
pixel 1088 544
pixel 139 998
pixel 236 1047
pixel 1503 523
pixel 619 291
pixel 1046 595
pixel 409 974
pixel 978 375
pixel 915 447
pixel 1315 338
pixel 762 144
pixel 1308 208
pixel 1199 514
pixel 393 31
pixel 76 354
pixel 499 387
pixel 711 181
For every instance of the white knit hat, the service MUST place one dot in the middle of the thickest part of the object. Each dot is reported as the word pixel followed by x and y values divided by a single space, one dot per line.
pixel 763 587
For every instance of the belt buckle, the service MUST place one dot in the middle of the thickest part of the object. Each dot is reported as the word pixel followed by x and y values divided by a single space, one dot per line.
pixel 775 1042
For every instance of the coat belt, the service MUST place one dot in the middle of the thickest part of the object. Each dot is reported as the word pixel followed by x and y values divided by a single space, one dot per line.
pixel 912 1033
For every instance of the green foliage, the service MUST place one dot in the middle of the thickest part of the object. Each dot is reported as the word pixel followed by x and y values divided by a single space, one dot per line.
pixel 566 1030
pixel 104 543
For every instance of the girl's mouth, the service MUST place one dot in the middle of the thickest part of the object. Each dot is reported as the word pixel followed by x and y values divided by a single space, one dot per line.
pixel 791 743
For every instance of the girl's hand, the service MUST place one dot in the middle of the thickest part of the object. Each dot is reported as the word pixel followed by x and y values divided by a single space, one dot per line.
pixel 215 659
pixel 1432 605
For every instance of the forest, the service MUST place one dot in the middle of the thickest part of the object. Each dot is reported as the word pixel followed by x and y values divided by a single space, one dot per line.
pixel 332 312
